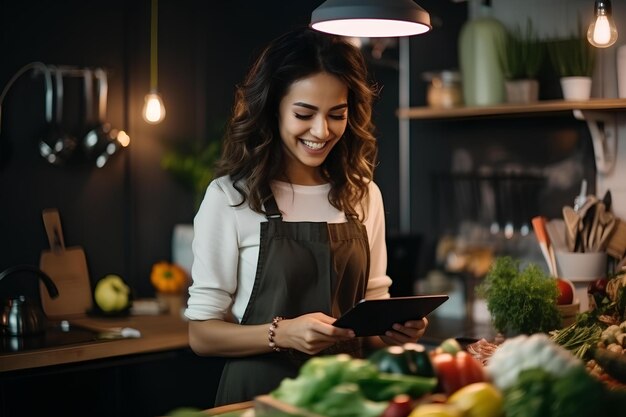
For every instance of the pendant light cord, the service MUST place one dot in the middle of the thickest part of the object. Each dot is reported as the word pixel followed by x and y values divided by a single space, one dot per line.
pixel 154 45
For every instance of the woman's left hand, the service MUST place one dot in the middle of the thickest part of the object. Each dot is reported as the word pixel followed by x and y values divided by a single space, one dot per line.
pixel 409 332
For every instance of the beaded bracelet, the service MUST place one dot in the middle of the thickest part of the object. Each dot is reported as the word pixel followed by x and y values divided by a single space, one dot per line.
pixel 272 332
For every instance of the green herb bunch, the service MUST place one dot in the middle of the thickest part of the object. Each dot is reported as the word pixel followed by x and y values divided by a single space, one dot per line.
pixel 520 300
pixel 521 53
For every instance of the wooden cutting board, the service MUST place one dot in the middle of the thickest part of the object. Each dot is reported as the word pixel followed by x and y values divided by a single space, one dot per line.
pixel 68 269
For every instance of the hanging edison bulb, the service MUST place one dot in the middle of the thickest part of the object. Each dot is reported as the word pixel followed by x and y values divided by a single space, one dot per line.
pixel 602 31
pixel 153 108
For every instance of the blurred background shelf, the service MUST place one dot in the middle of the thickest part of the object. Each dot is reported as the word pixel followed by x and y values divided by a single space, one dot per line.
pixel 547 106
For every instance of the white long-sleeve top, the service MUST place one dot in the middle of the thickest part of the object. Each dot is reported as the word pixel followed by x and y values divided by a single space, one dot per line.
pixel 226 244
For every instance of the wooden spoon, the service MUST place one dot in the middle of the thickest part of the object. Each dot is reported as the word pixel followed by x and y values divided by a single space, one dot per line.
pixel 556 233
pixel 586 213
pixel 616 245
pixel 608 224
pixel 590 201
pixel 572 222
pixel 595 231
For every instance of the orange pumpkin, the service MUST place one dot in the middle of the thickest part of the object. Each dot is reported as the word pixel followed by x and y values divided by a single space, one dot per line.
pixel 168 277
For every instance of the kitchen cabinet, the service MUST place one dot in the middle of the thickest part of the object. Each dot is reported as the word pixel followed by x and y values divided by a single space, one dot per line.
pixel 142 385
pixel 145 376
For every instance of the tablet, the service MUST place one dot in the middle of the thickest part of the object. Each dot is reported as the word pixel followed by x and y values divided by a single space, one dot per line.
pixel 375 317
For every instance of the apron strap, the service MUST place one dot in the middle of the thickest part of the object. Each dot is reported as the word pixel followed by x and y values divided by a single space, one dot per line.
pixel 271 208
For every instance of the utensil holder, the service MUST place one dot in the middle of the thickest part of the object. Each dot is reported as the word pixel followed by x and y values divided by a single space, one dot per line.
pixel 581 268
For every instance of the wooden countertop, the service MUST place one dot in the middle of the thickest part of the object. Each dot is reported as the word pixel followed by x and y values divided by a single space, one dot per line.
pixel 169 332
pixel 158 333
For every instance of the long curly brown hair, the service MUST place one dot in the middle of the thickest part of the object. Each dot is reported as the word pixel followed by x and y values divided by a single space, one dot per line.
pixel 252 153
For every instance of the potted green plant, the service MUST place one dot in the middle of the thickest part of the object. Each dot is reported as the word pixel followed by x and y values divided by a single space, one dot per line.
pixel 521 54
pixel 192 165
pixel 573 59
pixel 191 162
pixel 520 300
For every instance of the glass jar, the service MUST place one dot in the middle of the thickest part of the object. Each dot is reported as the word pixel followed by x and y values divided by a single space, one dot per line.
pixel 444 90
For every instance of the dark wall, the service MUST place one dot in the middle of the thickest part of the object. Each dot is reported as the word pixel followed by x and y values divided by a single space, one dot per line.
pixel 93 202
pixel 433 51
pixel 123 214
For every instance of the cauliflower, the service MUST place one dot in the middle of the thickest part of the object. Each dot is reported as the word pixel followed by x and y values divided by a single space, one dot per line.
pixel 528 352
pixel 609 335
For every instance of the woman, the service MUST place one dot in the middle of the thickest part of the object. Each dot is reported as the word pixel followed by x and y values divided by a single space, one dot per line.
pixel 292 233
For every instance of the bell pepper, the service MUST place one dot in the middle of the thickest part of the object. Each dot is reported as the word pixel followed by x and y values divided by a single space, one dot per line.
pixel 168 278
pixel 408 359
pixel 457 371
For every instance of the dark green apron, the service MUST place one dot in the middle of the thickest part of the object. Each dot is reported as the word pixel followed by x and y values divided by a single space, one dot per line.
pixel 303 267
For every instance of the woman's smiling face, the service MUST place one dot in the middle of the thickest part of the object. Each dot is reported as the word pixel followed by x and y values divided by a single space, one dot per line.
pixel 313 116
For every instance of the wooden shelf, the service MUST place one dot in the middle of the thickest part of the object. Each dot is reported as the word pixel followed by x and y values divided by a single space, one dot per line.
pixel 547 106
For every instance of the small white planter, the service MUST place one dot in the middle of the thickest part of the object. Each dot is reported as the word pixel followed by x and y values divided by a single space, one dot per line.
pixel 576 88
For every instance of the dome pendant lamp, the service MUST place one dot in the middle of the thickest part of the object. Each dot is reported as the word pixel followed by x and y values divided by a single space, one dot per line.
pixel 153 109
pixel 371 18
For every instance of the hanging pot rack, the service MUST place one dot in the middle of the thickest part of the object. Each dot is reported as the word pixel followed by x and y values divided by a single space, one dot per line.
pixel 118 141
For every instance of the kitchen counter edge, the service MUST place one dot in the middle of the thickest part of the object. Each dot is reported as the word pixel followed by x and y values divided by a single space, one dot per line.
pixel 158 333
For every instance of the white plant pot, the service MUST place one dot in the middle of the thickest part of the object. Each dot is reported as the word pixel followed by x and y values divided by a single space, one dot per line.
pixel 182 237
pixel 576 88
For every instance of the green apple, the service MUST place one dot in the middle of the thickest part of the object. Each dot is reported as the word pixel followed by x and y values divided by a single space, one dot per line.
pixel 112 294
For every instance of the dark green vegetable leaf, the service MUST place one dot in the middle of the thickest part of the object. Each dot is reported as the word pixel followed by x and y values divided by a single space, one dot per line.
pixel 320 378
pixel 577 394
pixel 530 396
pixel 386 386
pixel 346 400
pixel 538 393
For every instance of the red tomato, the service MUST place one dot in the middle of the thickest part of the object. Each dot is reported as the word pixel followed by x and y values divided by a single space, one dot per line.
pixel 457 371
pixel 566 291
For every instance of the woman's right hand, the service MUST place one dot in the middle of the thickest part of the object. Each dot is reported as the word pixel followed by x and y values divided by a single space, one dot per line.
pixel 310 333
